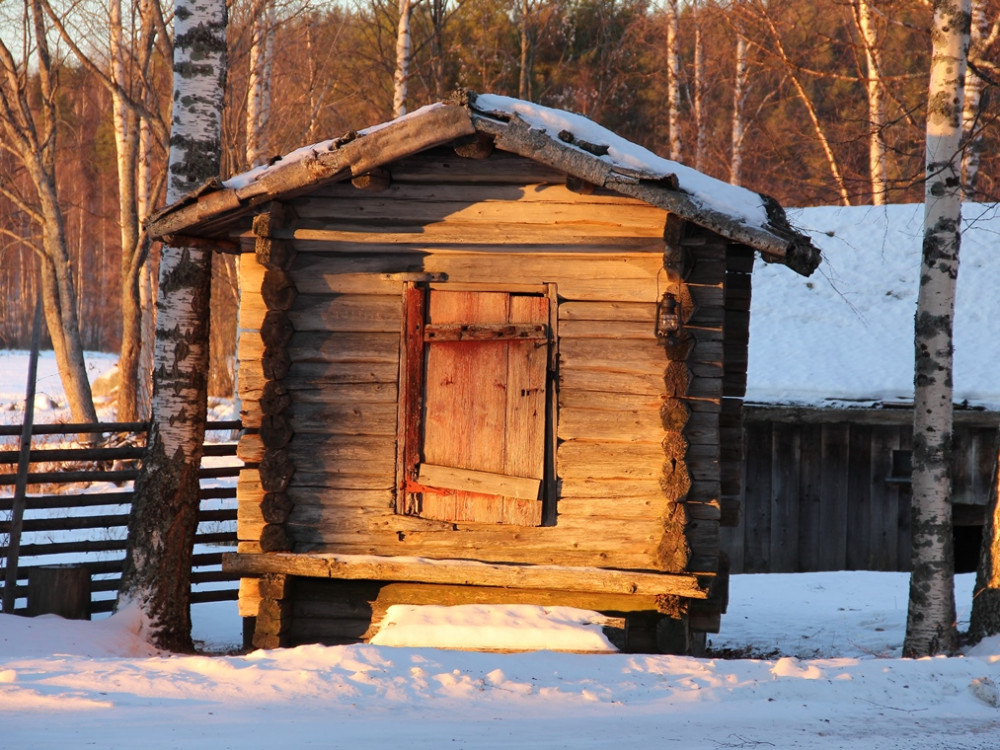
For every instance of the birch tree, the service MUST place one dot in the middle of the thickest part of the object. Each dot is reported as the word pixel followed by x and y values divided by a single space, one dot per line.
pixel 698 93
pixel 867 23
pixel 527 34
pixel 164 518
pixel 259 96
pixel 983 38
pixel 673 80
pixel 740 83
pixel 403 44
pixel 127 73
pixel 29 131
pixel 131 90
pixel 930 622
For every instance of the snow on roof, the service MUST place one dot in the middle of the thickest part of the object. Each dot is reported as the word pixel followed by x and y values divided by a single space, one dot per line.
pixel 244 179
pixel 846 334
pixel 563 140
pixel 712 193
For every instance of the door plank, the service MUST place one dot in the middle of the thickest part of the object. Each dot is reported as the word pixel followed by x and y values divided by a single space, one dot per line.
pixel 449 478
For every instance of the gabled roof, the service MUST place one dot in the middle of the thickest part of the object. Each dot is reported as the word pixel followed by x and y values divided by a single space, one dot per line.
pixel 561 140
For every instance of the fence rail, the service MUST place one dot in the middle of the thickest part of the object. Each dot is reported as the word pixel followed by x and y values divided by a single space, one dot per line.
pixel 70 521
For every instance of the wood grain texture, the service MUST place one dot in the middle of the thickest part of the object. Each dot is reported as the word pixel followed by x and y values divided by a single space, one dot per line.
pixel 468 572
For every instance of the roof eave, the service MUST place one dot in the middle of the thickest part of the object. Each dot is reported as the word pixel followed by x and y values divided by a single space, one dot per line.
pixel 349 157
pixel 776 241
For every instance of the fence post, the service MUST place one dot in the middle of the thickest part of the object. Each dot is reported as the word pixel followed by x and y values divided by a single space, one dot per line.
pixel 17 512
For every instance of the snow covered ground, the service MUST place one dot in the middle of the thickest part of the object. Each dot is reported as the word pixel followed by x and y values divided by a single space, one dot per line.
pixel 833 679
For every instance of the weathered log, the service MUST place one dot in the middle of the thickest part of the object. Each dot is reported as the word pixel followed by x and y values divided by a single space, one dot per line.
pixel 274 537
pixel 478 146
pixel 679 348
pixel 275 397
pixel 275 363
pixel 250 449
pixel 273 586
pixel 275 507
pixel 376 181
pixel 277 290
pixel 675 481
pixel 674 446
pixel 676 379
pixel 276 471
pixel 674 414
pixel 276 430
pixel 276 329
pixel 449 571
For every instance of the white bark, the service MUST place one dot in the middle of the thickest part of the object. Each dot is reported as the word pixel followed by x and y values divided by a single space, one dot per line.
pixel 402 59
pixel 867 25
pixel 259 95
pixel 164 515
pixel 930 625
pixel 971 126
pixel 199 80
pixel 739 101
pixel 701 128
pixel 673 81
pixel 199 84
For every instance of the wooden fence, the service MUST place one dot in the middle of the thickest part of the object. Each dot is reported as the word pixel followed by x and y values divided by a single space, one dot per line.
pixel 66 524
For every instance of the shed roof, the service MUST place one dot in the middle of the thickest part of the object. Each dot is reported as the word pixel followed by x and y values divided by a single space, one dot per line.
pixel 562 140
pixel 844 338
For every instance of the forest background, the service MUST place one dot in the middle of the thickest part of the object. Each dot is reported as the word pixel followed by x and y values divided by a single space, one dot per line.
pixel 812 101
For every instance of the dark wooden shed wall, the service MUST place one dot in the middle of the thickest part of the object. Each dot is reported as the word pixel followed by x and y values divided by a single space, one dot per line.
pixel 828 489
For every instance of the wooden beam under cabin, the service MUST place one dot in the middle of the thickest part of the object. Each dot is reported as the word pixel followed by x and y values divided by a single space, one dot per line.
pixel 466 572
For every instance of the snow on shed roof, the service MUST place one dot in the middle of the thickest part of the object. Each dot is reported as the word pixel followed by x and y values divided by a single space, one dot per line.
pixel 845 336
pixel 563 140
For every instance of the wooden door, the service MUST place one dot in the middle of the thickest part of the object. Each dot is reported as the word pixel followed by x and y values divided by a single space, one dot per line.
pixel 481 420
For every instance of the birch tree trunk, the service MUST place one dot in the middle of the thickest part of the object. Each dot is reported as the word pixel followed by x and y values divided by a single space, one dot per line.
pixel 164 518
pixel 972 128
pixel 30 129
pixel 673 81
pixel 866 22
pixel 740 81
pixel 147 272
pixel 134 248
pixel 930 622
pixel 259 94
pixel 701 128
pixel 402 59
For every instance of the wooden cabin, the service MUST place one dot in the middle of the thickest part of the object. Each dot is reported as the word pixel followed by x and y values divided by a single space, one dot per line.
pixel 489 352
